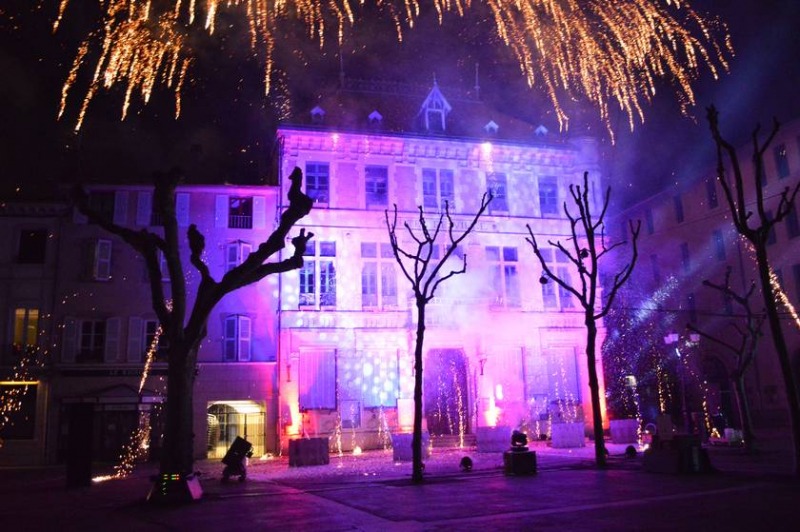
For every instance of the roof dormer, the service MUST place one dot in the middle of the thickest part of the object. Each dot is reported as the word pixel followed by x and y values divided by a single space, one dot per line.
pixel 541 131
pixel 491 127
pixel 375 118
pixel 317 115
pixel 434 110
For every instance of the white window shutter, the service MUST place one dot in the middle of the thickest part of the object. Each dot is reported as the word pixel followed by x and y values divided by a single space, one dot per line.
pixel 121 207
pixel 111 351
pixel 69 340
pixel 135 339
pixel 182 209
pixel 259 212
pixel 244 338
pixel 317 379
pixel 221 211
pixel 144 208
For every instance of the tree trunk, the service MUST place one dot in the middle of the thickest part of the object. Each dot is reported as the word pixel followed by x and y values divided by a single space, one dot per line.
pixel 178 451
pixel 594 390
pixel 745 419
pixel 781 350
pixel 416 440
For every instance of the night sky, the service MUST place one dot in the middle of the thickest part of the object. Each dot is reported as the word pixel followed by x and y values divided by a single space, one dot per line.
pixel 224 132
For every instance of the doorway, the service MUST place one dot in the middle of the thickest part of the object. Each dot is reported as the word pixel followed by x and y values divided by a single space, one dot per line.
pixel 445 392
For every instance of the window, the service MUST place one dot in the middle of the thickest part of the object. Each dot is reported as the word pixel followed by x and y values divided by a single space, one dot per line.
pixel 378 276
pixel 26 330
pixel 792 226
pixel 505 282
pixel 711 193
pixel 91 341
pixel 781 161
pixel 19 401
pixel 656 268
pixel 102 202
pixel 237 339
pixel 101 264
pixel 553 295
pixel 648 218
pixel 32 246
pixel 376 180
pixel 771 236
pixel 796 274
pixel 240 213
pixel 677 202
pixel 692 308
pixel 318 275
pixel 719 245
pixel 236 253
pixel 548 196
pixel 318 182
pixel 436 190
pixel 685 258
pixel 162 348
pixel 496 185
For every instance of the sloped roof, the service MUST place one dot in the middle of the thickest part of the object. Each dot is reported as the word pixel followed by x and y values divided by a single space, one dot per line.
pixel 348 108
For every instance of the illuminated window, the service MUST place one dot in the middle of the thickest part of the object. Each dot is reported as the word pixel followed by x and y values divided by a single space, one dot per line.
pixel 376 180
pixel 237 338
pixel 781 161
pixel 236 253
pixel 318 275
pixel 719 244
pixel 318 182
pixel 91 341
pixel 496 185
pixel 548 196
pixel 378 276
pixel 101 265
pixel 437 189
pixel 240 213
pixel 553 295
pixel 26 329
pixel 505 282
pixel 32 246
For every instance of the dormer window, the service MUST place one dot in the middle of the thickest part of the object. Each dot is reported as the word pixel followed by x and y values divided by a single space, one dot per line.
pixel 491 128
pixel 541 131
pixel 434 110
pixel 375 119
pixel 317 115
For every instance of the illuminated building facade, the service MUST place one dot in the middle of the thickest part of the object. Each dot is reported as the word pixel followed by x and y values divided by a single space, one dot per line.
pixel 500 347
pixel 687 237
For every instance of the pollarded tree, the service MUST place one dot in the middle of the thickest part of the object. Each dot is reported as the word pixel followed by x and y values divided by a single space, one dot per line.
pixel 424 270
pixel 183 333
pixel 756 229
pixel 744 353
pixel 584 250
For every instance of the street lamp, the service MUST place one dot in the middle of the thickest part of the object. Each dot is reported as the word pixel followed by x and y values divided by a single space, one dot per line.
pixel 674 338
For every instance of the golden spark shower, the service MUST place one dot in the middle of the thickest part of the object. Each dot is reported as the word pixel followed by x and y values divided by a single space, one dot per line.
pixel 608 52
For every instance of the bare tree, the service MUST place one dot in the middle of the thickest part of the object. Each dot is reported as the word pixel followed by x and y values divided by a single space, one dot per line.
pixel 184 335
pixel 584 252
pixel 757 229
pixel 423 270
pixel 744 353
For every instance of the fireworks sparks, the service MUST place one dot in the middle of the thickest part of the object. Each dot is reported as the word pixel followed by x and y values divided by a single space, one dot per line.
pixel 605 52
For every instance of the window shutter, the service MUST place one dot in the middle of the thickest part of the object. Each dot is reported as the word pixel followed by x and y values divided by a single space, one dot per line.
pixel 317 379
pixel 135 339
pixel 182 209
pixel 121 207
pixel 102 260
pixel 221 211
pixel 259 212
pixel 244 338
pixel 111 350
pixel 144 208
pixel 69 340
